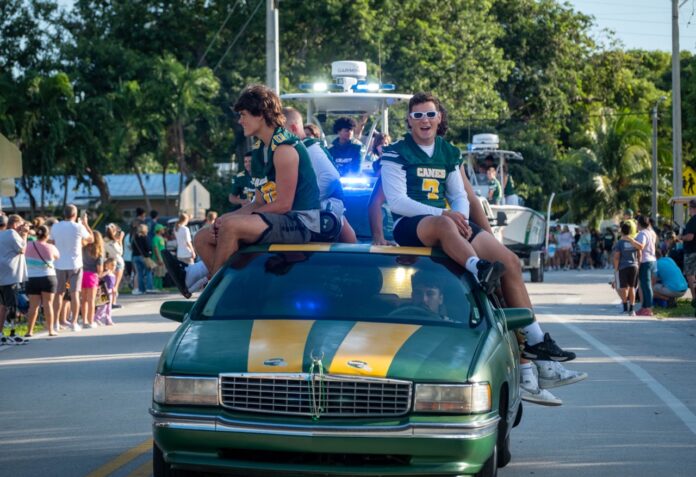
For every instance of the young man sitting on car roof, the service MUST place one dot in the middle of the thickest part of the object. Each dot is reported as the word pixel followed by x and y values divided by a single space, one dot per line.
pixel 328 179
pixel 286 206
pixel 418 172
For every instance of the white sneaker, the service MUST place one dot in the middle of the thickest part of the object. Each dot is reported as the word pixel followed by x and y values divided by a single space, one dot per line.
pixel 553 374
pixel 136 291
pixel 75 327
pixel 530 392
pixel 91 325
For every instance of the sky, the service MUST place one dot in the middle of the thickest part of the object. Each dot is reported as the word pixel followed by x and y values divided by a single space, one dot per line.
pixel 641 24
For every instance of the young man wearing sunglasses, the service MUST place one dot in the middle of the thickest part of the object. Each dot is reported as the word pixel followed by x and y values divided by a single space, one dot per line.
pixel 421 177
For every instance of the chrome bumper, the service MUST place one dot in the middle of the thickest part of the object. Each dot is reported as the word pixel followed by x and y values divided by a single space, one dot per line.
pixel 194 422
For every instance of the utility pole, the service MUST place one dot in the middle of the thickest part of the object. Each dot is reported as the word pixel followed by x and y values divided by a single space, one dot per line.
pixel 272 55
pixel 676 115
pixel 654 159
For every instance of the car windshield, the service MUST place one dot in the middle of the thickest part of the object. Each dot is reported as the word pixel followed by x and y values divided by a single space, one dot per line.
pixel 341 286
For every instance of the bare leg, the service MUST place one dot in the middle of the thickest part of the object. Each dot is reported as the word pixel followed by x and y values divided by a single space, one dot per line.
pixel 75 306
pixel 204 246
pixel 244 228
pixel 34 302
pixel 119 277
pixel 442 231
pixel 514 289
pixel 347 234
pixel 89 298
pixel 47 302
pixel 57 308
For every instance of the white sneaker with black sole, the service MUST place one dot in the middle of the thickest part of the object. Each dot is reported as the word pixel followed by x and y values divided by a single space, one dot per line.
pixel 531 392
pixel 553 374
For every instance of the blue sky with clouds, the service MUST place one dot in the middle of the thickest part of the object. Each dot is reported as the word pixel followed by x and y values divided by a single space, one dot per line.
pixel 644 24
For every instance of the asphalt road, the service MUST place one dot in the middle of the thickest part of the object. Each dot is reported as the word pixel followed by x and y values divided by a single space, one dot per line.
pixel 77 405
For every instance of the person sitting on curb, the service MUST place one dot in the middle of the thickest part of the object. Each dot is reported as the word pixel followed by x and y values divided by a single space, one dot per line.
pixel 669 282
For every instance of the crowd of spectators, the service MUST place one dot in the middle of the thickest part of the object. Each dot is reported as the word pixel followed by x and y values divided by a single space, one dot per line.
pixel 649 263
pixel 61 272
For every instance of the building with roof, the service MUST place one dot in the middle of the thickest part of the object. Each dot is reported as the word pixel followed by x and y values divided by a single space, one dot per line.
pixel 125 190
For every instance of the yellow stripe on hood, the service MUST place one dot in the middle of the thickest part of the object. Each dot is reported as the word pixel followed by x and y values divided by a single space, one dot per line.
pixel 278 345
pixel 369 348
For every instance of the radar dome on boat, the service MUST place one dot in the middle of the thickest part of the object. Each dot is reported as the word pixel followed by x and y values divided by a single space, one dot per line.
pixel 485 141
pixel 348 73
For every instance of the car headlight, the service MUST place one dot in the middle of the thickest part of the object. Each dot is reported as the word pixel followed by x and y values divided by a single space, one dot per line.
pixel 185 390
pixel 453 398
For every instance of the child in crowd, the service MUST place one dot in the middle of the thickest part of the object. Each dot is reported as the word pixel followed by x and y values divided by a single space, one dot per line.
pixel 102 314
pixel 626 260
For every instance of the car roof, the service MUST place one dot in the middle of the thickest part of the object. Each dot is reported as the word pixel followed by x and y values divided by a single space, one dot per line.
pixel 345 248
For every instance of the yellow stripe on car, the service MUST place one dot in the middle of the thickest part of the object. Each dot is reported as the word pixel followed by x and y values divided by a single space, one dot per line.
pixel 369 348
pixel 278 345
pixel 425 251
pixel 310 247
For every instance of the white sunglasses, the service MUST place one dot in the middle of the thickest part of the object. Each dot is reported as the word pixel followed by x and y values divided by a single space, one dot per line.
pixel 423 114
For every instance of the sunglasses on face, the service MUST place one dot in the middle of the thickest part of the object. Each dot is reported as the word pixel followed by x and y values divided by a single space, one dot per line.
pixel 423 114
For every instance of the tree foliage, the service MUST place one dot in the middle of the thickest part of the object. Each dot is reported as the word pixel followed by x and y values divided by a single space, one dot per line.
pixel 147 86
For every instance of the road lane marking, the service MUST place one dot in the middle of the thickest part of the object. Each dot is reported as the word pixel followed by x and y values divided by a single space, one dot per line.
pixel 122 460
pixel 144 470
pixel 80 358
pixel 681 411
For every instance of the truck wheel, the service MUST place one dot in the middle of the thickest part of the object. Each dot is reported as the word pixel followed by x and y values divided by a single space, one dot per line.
pixel 537 274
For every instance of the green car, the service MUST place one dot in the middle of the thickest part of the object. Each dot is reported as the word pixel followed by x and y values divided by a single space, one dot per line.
pixel 333 359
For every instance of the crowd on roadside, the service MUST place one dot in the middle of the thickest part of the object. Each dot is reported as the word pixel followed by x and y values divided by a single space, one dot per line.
pixel 649 263
pixel 68 275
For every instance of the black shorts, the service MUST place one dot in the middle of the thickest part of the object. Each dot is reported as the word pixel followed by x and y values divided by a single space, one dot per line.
pixel 8 295
pixel 39 285
pixel 405 232
pixel 628 277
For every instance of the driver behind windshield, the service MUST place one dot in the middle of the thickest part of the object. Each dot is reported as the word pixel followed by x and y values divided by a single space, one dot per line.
pixel 426 292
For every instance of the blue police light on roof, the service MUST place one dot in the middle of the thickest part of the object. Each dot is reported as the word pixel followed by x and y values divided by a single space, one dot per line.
pixel 355 182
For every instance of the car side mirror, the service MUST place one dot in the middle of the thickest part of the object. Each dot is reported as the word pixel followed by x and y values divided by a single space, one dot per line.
pixel 516 317
pixel 501 218
pixel 176 310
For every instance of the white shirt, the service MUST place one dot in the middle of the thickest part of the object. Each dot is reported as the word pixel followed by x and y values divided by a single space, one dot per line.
pixel 183 236
pixel 328 179
pixel 647 238
pixel 67 236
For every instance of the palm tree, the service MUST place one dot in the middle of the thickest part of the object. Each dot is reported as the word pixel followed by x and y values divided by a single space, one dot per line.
pixel 614 173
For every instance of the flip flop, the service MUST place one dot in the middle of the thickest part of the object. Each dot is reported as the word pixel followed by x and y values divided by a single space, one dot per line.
pixel 177 271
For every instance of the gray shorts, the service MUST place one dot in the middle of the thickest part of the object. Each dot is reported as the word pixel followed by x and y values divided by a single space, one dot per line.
pixel 690 264
pixel 663 290
pixel 284 228
pixel 73 277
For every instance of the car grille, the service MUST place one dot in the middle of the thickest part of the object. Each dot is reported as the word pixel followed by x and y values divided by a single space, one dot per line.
pixel 300 394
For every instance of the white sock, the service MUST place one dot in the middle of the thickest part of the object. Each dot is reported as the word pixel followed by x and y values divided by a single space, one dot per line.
pixel 533 334
pixel 195 272
pixel 526 370
pixel 471 266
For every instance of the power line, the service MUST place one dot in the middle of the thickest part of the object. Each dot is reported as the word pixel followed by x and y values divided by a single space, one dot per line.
pixel 238 34
pixel 218 33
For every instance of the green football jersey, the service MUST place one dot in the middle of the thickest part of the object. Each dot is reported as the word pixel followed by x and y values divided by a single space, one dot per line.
pixel 263 173
pixel 426 177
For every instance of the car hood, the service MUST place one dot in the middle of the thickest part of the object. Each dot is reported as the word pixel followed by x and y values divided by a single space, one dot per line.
pixel 394 350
